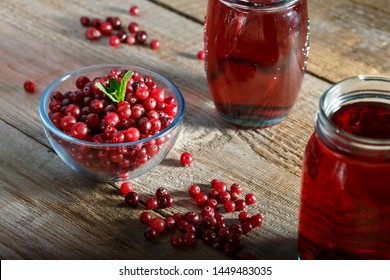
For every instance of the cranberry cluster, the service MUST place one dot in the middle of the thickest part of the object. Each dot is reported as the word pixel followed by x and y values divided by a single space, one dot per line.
pixel 112 26
pixel 86 113
pixel 207 224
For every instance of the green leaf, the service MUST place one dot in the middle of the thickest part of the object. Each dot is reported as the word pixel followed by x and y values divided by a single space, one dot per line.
pixel 122 87
pixel 116 91
pixel 106 90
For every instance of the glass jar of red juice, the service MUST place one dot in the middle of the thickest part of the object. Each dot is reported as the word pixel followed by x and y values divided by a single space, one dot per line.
pixel 345 196
pixel 255 57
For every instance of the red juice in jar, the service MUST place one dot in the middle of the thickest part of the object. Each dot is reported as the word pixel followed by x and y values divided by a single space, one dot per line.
pixel 256 55
pixel 345 198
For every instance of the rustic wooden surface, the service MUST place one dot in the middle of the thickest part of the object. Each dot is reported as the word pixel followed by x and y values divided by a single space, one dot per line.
pixel 47 211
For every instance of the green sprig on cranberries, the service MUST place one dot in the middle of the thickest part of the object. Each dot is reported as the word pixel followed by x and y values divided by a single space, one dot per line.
pixel 116 91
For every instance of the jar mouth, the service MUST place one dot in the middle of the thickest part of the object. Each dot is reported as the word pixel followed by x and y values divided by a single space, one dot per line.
pixel 356 89
pixel 247 4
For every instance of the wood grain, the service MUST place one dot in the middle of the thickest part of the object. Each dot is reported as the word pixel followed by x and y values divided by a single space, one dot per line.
pixel 48 211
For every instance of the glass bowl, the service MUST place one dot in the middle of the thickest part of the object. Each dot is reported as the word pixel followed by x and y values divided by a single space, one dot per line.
pixel 110 162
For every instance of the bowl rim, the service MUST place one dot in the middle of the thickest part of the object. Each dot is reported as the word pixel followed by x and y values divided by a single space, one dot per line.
pixel 43 112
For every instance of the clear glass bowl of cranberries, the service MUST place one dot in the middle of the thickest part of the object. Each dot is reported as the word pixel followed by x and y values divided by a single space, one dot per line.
pixel 112 122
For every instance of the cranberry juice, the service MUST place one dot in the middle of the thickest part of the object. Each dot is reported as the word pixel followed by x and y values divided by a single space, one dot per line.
pixel 345 200
pixel 255 58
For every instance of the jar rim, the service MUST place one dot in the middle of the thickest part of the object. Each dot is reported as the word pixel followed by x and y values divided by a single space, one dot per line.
pixel 260 4
pixel 325 110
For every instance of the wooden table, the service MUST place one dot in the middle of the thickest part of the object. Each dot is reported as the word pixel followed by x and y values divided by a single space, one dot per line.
pixel 48 211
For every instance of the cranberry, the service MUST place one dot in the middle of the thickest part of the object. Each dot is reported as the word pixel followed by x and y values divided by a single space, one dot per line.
pixel 106 28
pixel 194 190
pixel 130 40
pixel 116 23
pixel 207 211
pixel 126 187
pixel 243 216
pixel 82 81
pixel 67 122
pixel 219 186
pixel 132 199
pixel 95 23
pixel 170 223
pixel 246 227
pixel 141 36
pixel 237 188
pixel 145 217
pixel 189 238
pixel 79 130
pixel 122 35
pixel 29 86
pixel 224 196
pixel 85 21
pixel 229 206
pixel 250 199
pixel 132 134
pixel 150 234
pixel 133 27
pixel 134 10
pixel 158 224
pixel 165 201
pixel 192 217
pixel 240 204
pixel 151 203
pixel 155 44
pixel 186 159
pixel 201 198
pixel 201 55
pixel 92 33
pixel 115 41
pixel 257 220
pixel 176 241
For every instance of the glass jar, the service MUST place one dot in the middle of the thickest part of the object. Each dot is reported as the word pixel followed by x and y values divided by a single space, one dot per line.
pixel 345 198
pixel 255 58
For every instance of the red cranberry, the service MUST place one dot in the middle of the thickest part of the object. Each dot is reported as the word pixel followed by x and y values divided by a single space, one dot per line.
pixel 240 204
pixel 141 36
pixel 92 33
pixel 161 191
pixel 84 20
pixel 115 41
pixel 201 55
pixel 250 199
pixel 189 238
pixel 243 216
pixel 130 40
pixel 155 44
pixel 133 27
pixel 132 199
pixel 134 10
pixel 158 224
pixel 237 188
pixel 105 28
pixel 229 206
pixel 201 198
pixel 176 241
pixel 186 159
pixel 220 187
pixel 29 86
pixel 192 217
pixel 145 217
pixel 165 201
pixel 79 130
pixel 150 234
pixel 257 220
pixel 194 190
pixel 126 187
pixel 151 203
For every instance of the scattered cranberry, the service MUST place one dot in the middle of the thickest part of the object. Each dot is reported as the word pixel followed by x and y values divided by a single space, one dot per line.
pixel 155 44
pixel 134 10
pixel 186 159
pixel 132 199
pixel 176 241
pixel 115 41
pixel 229 206
pixel 85 21
pixel 133 27
pixel 201 55
pixel 145 217
pixel 158 224
pixel 150 234
pixel 194 190
pixel 106 28
pixel 141 36
pixel 126 187
pixel 29 86
pixel 250 199
pixel 92 33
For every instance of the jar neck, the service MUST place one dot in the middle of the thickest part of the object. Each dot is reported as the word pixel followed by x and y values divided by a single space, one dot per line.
pixel 347 92
pixel 261 4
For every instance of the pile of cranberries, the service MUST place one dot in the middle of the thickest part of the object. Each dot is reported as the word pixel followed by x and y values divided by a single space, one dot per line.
pixel 112 27
pixel 86 113
pixel 207 224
